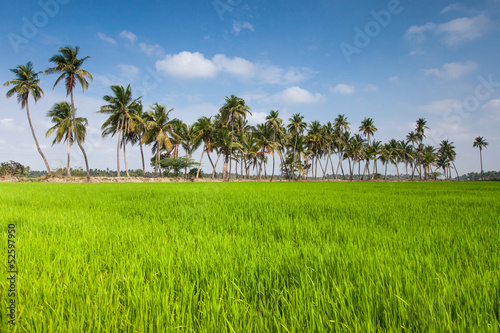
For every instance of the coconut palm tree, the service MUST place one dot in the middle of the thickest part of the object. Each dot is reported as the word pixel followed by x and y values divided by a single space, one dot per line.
pixel 368 128
pixel 190 141
pixel 296 126
pixel 62 119
pixel 121 107
pixel 480 143
pixel 136 134
pixel 158 127
pixel 69 67
pixel 26 83
pixel 233 109
pixel 274 122
pixel 420 128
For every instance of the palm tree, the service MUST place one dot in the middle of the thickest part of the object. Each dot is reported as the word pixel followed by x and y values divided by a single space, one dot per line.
pixel 121 121
pixel 204 128
pixel 63 127
pixel 26 82
pixel 480 143
pixel 190 140
pixel 135 136
pixel 420 135
pixel 158 127
pixel 368 128
pixel 296 125
pixel 274 122
pixel 69 66
pixel 233 109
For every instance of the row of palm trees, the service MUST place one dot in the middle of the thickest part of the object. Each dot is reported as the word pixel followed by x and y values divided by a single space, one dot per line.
pixel 303 149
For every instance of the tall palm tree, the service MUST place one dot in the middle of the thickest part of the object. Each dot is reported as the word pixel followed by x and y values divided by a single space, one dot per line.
pixel 62 119
pixel 190 140
pixel 204 128
pixel 158 127
pixel 233 109
pixel 480 143
pixel 296 126
pixel 26 83
pixel 368 128
pixel 136 134
pixel 420 128
pixel 69 67
pixel 274 122
pixel 341 126
pixel 121 121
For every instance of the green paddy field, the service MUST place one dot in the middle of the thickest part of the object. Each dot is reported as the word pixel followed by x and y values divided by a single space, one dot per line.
pixel 252 257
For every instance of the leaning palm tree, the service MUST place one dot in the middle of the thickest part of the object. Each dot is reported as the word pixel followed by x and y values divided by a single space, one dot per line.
pixel 204 127
pixel 63 127
pixel 69 67
pixel 121 121
pixel 26 82
pixel 480 143
pixel 158 127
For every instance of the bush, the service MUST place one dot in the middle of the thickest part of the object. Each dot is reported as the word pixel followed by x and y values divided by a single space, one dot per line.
pixel 13 169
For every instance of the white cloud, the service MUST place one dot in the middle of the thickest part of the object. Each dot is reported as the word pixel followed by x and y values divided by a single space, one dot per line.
pixel 453 70
pixel 128 71
pixel 296 95
pixel 453 32
pixel 195 65
pixel 343 89
pixel 393 79
pixel 151 49
pixel 9 124
pixel 257 118
pixel 238 26
pixel 106 38
pixel 187 65
pixel 441 106
pixel 128 35
pixel 236 66
pixel 454 7
pixel 371 87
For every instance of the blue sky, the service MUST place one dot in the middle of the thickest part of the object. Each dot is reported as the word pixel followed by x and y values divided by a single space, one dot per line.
pixel 394 61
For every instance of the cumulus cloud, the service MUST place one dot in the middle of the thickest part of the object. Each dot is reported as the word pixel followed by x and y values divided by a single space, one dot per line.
pixel 9 124
pixel 236 66
pixel 129 71
pixel 343 89
pixel 151 49
pixel 187 65
pixel 453 70
pixel 130 36
pixel 296 95
pixel 106 38
pixel 257 118
pixel 453 32
pixel 371 87
pixel 194 65
pixel 441 106
pixel 238 26
pixel 454 7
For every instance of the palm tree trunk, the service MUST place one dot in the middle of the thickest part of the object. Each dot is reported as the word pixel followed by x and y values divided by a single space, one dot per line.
pixel 458 177
pixel 293 161
pixel 274 162
pixel 199 166
pixel 157 160
pixel 143 165
pixel 481 158
pixel 397 169
pixel 118 149
pixel 78 139
pixel 69 158
pixel 385 175
pixel 231 150
pixel 217 161
pixel 36 141
pixel 125 159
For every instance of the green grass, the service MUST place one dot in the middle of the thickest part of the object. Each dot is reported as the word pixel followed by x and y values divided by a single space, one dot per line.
pixel 253 257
